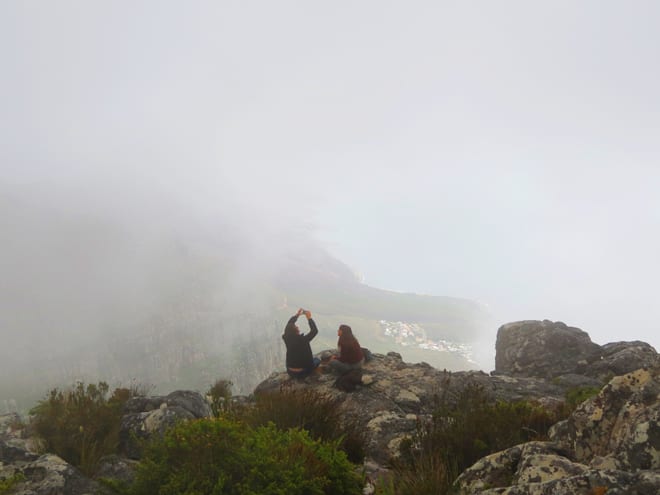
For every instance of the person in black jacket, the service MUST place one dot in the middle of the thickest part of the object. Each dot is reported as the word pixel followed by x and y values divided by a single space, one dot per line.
pixel 299 359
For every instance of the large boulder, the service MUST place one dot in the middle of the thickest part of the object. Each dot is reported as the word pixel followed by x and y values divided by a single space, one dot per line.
pixel 553 350
pixel 542 349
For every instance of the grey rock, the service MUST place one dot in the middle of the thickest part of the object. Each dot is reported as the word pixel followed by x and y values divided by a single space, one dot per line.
pixel 117 468
pixel 46 474
pixel 146 416
pixel 622 421
pixel 542 349
pixel 493 471
pixel 10 454
pixel 192 402
pixel 566 354
pixel 50 475
pixel 619 358
pixel 136 405
pixel 588 483
pixel 572 380
pixel 8 424
pixel 137 428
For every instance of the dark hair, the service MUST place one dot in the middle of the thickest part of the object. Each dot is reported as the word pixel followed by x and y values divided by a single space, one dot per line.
pixel 290 329
pixel 346 330
pixel 346 336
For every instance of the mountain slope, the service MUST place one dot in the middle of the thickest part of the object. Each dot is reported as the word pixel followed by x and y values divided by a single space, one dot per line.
pixel 156 295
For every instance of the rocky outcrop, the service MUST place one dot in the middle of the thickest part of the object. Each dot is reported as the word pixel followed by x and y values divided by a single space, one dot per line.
pixel 48 474
pixel 44 474
pixel 146 416
pixel 395 395
pixel 610 443
pixel 553 350
pixel 619 428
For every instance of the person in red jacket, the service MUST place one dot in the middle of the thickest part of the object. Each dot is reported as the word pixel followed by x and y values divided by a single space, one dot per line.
pixel 350 354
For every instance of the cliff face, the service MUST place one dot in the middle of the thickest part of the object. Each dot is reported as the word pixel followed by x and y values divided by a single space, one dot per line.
pixel 611 441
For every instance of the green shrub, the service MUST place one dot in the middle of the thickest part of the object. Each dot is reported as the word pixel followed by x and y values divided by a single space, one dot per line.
pixel 224 456
pixel 81 424
pixel 318 413
pixel 577 395
pixel 7 484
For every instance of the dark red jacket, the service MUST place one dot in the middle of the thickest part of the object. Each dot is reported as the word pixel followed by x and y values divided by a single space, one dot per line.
pixel 350 351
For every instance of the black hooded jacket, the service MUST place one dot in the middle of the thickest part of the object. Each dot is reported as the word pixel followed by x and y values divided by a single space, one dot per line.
pixel 298 350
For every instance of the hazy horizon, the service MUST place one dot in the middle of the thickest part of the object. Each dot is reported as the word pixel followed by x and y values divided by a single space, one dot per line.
pixel 504 153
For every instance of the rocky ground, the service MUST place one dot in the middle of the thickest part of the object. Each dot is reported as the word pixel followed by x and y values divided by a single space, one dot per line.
pixel 611 442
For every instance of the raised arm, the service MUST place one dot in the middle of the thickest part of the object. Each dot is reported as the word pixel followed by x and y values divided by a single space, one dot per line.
pixel 312 326
pixel 292 322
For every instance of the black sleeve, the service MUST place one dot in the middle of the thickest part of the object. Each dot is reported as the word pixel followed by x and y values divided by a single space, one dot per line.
pixel 313 330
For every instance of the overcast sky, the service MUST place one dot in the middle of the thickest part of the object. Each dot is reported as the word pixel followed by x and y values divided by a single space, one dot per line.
pixel 507 152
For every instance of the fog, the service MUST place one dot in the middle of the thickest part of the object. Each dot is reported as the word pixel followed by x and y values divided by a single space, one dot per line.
pixel 501 152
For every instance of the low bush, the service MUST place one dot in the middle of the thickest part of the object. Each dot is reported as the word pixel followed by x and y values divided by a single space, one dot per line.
pixel 461 431
pixel 317 413
pixel 225 456
pixel 81 424
pixel 577 395
pixel 423 473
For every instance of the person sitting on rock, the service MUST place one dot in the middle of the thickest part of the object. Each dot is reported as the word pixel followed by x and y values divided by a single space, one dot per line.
pixel 299 359
pixel 350 355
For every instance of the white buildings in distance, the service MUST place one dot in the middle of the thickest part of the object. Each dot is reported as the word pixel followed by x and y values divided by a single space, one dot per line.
pixel 414 335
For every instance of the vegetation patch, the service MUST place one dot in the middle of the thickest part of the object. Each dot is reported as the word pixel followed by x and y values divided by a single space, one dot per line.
pixel 220 397
pixel 81 424
pixel 8 483
pixel 460 432
pixel 577 395
pixel 225 456
pixel 319 414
